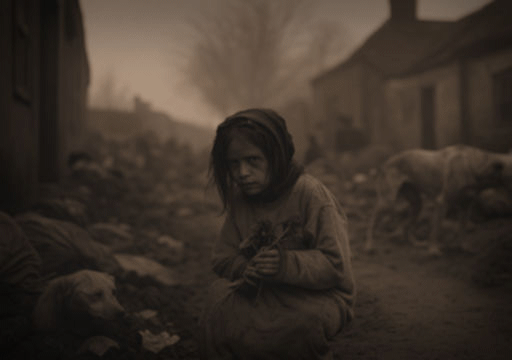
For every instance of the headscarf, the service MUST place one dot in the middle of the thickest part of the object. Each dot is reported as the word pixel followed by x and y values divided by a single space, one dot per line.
pixel 284 170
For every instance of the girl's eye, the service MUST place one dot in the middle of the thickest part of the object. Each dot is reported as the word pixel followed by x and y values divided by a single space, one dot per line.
pixel 97 295
pixel 253 160
pixel 233 165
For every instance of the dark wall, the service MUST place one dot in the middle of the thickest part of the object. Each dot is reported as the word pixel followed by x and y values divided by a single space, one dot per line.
pixel 19 104
pixel 48 147
pixel 43 92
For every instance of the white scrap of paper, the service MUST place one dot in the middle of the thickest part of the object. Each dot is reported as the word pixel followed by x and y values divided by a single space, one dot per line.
pixel 155 343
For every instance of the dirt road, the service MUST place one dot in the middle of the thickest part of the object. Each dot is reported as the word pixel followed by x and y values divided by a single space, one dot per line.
pixel 410 310
pixel 409 305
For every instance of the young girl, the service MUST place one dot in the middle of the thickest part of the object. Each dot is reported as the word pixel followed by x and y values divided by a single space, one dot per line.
pixel 283 256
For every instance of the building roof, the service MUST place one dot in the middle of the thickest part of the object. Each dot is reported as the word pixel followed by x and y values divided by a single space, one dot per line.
pixel 401 48
pixel 395 46
pixel 483 31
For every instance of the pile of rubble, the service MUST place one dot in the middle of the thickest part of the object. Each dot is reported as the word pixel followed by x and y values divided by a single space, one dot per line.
pixel 121 213
pixel 112 215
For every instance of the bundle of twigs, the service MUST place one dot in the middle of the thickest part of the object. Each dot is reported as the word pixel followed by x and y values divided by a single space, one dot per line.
pixel 265 237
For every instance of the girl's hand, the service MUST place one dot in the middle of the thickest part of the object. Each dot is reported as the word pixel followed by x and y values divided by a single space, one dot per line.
pixel 267 262
pixel 251 274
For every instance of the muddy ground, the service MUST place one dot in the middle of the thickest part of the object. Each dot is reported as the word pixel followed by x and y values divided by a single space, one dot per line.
pixel 409 305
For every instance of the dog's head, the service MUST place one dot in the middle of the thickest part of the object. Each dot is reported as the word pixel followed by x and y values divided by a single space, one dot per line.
pixel 93 293
pixel 487 169
pixel 503 167
pixel 79 300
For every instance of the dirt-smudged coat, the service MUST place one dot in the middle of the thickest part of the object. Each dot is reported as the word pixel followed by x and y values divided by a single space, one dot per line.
pixel 305 304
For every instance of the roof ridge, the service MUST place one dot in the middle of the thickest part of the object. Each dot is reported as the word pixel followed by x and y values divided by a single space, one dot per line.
pixel 462 26
pixel 418 42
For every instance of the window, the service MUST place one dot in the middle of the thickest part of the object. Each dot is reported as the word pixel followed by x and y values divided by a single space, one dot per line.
pixel 22 62
pixel 502 87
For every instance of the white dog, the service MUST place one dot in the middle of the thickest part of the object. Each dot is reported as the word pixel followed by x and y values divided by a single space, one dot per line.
pixel 443 176
pixel 77 302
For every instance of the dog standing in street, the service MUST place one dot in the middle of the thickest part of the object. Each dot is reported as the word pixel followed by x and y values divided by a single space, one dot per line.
pixel 444 176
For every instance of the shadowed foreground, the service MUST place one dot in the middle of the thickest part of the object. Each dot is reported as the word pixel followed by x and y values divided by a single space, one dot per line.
pixel 409 305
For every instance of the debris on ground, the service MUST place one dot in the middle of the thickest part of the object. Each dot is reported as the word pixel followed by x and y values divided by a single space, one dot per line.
pixel 143 211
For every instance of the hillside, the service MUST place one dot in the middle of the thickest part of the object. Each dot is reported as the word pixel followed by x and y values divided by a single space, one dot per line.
pixel 121 125
pixel 197 136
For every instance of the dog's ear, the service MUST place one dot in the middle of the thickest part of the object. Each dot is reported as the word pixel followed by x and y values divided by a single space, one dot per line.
pixel 50 305
pixel 64 295
pixel 70 297
pixel 67 290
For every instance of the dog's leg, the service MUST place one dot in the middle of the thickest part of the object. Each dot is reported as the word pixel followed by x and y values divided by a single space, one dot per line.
pixel 369 244
pixel 464 222
pixel 437 216
pixel 409 227
pixel 439 211
pixel 411 194
pixel 379 206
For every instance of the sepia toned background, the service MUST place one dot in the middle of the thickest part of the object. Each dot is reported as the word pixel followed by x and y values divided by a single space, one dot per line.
pixel 108 111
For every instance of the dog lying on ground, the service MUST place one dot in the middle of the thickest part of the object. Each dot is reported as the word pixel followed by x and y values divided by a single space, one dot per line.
pixel 80 302
pixel 444 176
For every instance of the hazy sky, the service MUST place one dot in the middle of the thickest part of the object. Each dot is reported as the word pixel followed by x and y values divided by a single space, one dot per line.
pixel 142 42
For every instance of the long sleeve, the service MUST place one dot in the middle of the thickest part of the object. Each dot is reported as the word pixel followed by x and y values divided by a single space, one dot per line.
pixel 328 264
pixel 227 261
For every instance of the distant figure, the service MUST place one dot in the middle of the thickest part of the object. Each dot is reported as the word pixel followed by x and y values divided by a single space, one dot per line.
pixel 349 138
pixel 313 152
pixel 285 284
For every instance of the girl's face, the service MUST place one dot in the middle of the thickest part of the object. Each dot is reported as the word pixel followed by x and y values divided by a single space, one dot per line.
pixel 248 166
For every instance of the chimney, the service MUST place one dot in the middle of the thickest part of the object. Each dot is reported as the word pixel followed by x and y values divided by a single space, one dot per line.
pixel 141 106
pixel 403 10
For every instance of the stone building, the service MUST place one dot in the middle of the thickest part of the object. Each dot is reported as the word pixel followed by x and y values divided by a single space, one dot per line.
pixel 417 83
